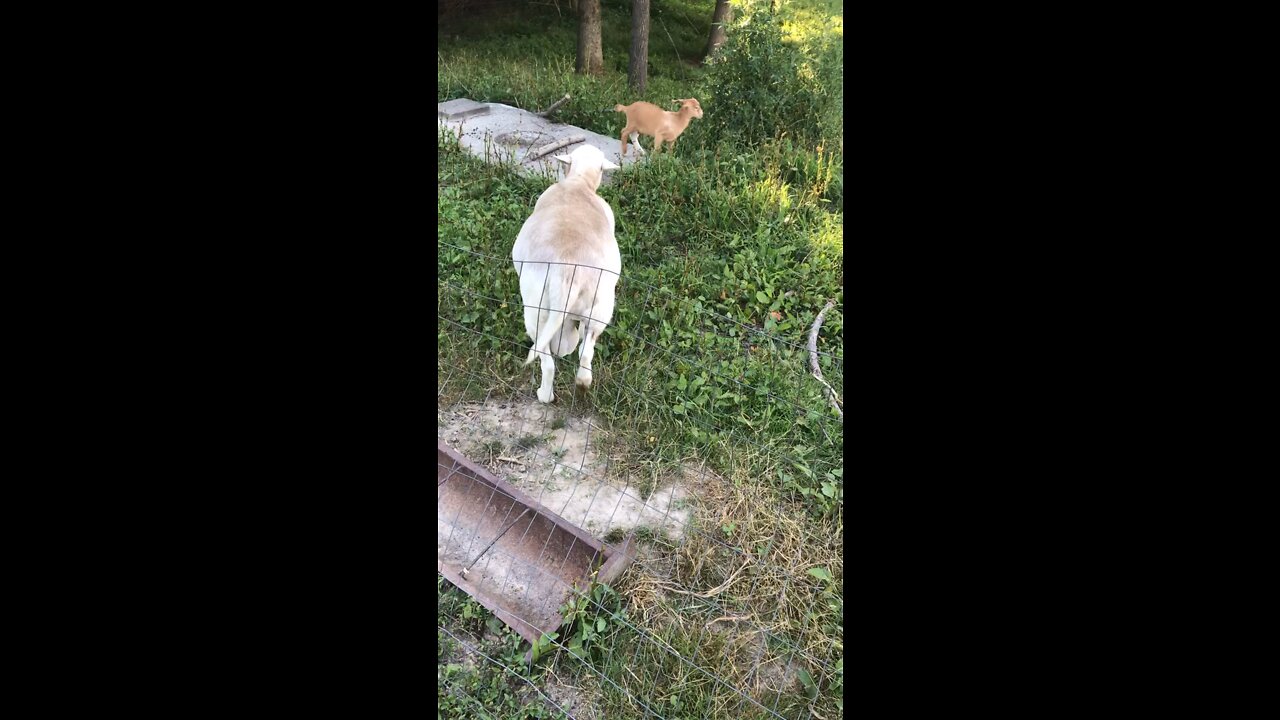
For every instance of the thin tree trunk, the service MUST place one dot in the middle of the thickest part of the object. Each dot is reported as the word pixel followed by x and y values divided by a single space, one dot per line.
pixel 638 70
pixel 590 52
pixel 722 16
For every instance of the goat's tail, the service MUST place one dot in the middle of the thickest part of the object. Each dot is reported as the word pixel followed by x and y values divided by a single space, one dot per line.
pixel 619 108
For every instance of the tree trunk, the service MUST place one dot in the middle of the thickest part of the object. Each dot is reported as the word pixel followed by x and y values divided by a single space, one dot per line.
pixel 590 52
pixel 638 70
pixel 722 16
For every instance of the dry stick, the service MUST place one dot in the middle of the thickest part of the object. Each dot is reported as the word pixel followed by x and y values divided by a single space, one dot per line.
pixel 556 6
pixel 552 147
pixel 555 105
pixel 729 618
pixel 813 358
pixel 673 40
pixel 467 569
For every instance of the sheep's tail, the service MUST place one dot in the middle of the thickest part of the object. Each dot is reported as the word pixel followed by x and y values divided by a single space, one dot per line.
pixel 548 331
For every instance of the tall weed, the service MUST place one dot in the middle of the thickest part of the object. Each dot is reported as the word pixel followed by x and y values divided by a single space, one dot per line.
pixel 760 87
pixel 782 99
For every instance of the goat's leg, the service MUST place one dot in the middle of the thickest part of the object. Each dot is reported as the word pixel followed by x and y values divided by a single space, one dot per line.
pixel 635 138
pixel 628 130
pixel 657 142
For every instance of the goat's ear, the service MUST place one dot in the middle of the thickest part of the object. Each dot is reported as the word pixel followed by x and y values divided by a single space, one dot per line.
pixel 608 165
pixel 563 158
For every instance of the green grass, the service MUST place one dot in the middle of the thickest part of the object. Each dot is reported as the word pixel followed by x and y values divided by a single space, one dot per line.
pixel 729 252
pixel 724 272
pixel 523 55
pixel 480 669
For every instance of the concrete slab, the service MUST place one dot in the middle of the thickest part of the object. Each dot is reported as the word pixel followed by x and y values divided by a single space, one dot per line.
pixel 507 134
pixel 460 109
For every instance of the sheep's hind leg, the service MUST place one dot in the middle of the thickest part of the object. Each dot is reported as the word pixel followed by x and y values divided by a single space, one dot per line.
pixel 545 347
pixel 588 350
pixel 545 394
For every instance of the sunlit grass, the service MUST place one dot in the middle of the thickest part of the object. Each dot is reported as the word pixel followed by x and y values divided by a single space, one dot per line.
pixel 805 26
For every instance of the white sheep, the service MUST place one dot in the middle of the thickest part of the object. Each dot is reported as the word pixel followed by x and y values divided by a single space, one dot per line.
pixel 568 262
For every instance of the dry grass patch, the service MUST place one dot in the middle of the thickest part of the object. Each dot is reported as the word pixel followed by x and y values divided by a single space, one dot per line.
pixel 735 601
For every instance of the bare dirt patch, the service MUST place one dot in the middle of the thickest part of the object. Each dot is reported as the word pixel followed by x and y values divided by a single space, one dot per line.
pixel 557 458
pixel 580 698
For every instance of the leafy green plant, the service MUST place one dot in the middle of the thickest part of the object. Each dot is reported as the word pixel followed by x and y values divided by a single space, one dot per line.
pixel 544 644
pixel 759 86
pixel 591 615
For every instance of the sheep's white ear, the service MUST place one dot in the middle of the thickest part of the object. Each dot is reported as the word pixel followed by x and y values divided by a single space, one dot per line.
pixel 608 165
pixel 563 158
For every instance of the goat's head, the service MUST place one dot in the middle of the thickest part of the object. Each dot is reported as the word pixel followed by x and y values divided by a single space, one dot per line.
pixel 587 162
pixel 692 103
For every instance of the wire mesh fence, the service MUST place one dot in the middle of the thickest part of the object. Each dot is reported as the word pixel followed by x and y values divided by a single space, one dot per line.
pixel 704 444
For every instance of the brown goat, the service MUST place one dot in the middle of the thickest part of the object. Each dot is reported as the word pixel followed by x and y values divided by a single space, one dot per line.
pixel 648 119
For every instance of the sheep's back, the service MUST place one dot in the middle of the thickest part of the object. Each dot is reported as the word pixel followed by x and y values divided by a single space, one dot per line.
pixel 571 225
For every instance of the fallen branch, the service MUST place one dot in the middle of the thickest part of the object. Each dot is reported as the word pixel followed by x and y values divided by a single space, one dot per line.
pixel 552 147
pixel 813 359
pixel 729 618
pixel 555 106
pixel 724 585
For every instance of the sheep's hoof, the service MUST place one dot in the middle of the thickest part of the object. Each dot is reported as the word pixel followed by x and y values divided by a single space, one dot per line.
pixel 583 379
pixel 545 395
